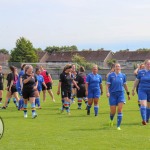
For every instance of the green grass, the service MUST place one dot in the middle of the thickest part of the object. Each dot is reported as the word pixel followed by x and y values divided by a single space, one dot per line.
pixel 55 131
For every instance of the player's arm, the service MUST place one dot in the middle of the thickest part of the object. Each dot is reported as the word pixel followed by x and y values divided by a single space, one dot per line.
pixel 136 82
pixel 59 85
pixel 101 87
pixel 127 91
pixel 107 90
pixel 44 85
pixel 28 79
pixel 74 82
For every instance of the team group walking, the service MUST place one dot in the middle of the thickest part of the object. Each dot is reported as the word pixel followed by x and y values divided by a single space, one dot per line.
pixel 25 88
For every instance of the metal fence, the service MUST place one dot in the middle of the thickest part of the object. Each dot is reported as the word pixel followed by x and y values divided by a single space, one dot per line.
pixel 56 68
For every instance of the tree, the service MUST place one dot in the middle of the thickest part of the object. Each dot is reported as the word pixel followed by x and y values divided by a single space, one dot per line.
pixel 110 62
pixel 81 61
pixel 4 51
pixel 23 52
pixel 52 49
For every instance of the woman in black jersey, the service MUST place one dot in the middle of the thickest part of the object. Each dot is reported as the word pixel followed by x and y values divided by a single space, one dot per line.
pixel 1 84
pixel 11 85
pixel 29 86
pixel 81 80
pixel 65 83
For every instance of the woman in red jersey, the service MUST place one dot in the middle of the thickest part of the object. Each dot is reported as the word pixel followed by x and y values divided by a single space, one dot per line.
pixel 48 81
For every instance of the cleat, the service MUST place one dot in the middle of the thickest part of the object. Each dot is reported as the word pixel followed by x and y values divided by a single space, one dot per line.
pixel 144 122
pixel 3 107
pixel 88 112
pixel 53 100
pixel 25 115
pixel 68 113
pixel 118 128
pixel 111 123
pixel 34 116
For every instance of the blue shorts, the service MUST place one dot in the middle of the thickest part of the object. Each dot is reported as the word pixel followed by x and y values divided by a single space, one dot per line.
pixel 116 98
pixel 144 95
pixel 94 93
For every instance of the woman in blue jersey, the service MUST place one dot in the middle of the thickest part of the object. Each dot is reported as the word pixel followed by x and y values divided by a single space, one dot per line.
pixel 139 67
pixel 19 87
pixel 41 82
pixel 93 89
pixel 143 79
pixel 116 83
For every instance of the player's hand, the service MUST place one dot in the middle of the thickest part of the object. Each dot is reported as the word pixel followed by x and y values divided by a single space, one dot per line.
pixel 86 93
pixel 78 88
pixel 108 94
pixel 133 93
pixel 58 92
pixel 35 87
pixel 46 87
pixel 128 97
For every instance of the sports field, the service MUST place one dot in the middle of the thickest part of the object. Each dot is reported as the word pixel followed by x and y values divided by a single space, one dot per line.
pixel 52 130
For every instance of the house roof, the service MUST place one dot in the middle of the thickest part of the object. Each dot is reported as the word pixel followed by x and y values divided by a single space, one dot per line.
pixel 40 54
pixel 88 55
pixel 4 57
pixel 132 55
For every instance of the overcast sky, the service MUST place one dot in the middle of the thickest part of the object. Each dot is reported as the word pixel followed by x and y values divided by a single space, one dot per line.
pixel 108 24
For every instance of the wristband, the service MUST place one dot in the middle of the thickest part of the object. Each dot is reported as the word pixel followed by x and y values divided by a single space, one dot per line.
pixel 128 93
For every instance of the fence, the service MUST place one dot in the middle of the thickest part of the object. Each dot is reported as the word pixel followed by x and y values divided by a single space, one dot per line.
pixel 56 68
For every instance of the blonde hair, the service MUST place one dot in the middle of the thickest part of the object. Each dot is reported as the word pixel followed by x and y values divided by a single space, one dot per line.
pixel 27 67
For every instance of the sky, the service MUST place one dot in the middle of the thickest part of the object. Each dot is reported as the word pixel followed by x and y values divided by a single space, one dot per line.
pixel 109 24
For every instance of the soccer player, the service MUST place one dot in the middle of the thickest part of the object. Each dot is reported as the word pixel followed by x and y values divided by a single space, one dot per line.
pixel 116 83
pixel 74 74
pixel 81 80
pixel 11 86
pixel 20 86
pixel 94 89
pixel 48 81
pixel 139 67
pixel 1 84
pixel 143 79
pixel 29 86
pixel 41 82
pixel 65 83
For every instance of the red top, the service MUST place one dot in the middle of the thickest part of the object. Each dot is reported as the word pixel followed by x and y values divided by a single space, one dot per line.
pixel 47 78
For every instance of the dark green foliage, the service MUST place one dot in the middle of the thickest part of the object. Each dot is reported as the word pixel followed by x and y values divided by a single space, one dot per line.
pixel 23 52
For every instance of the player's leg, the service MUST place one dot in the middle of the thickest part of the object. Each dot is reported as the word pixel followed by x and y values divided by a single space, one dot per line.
pixel 32 102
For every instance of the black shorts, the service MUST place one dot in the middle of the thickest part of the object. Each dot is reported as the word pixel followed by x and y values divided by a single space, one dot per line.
pixel 65 93
pixel 1 86
pixel 81 92
pixel 28 93
pixel 49 86
pixel 13 89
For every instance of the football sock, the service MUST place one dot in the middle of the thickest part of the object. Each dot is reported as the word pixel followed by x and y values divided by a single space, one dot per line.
pixel 143 112
pixel 25 108
pixel 111 116
pixel 96 110
pixel 37 101
pixel 119 119
pixel 147 114
pixel 79 102
pixel 33 108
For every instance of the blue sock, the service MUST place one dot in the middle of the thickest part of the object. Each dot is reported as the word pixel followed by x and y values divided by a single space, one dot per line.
pixel 19 104
pixel 88 107
pixel 112 116
pixel 147 114
pixel 8 102
pixel 22 103
pixel 119 119
pixel 25 108
pixel 96 110
pixel 37 101
pixel 15 102
pixel 33 108
pixel 143 112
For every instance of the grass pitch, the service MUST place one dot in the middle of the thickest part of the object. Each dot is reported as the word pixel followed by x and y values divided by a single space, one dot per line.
pixel 55 131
